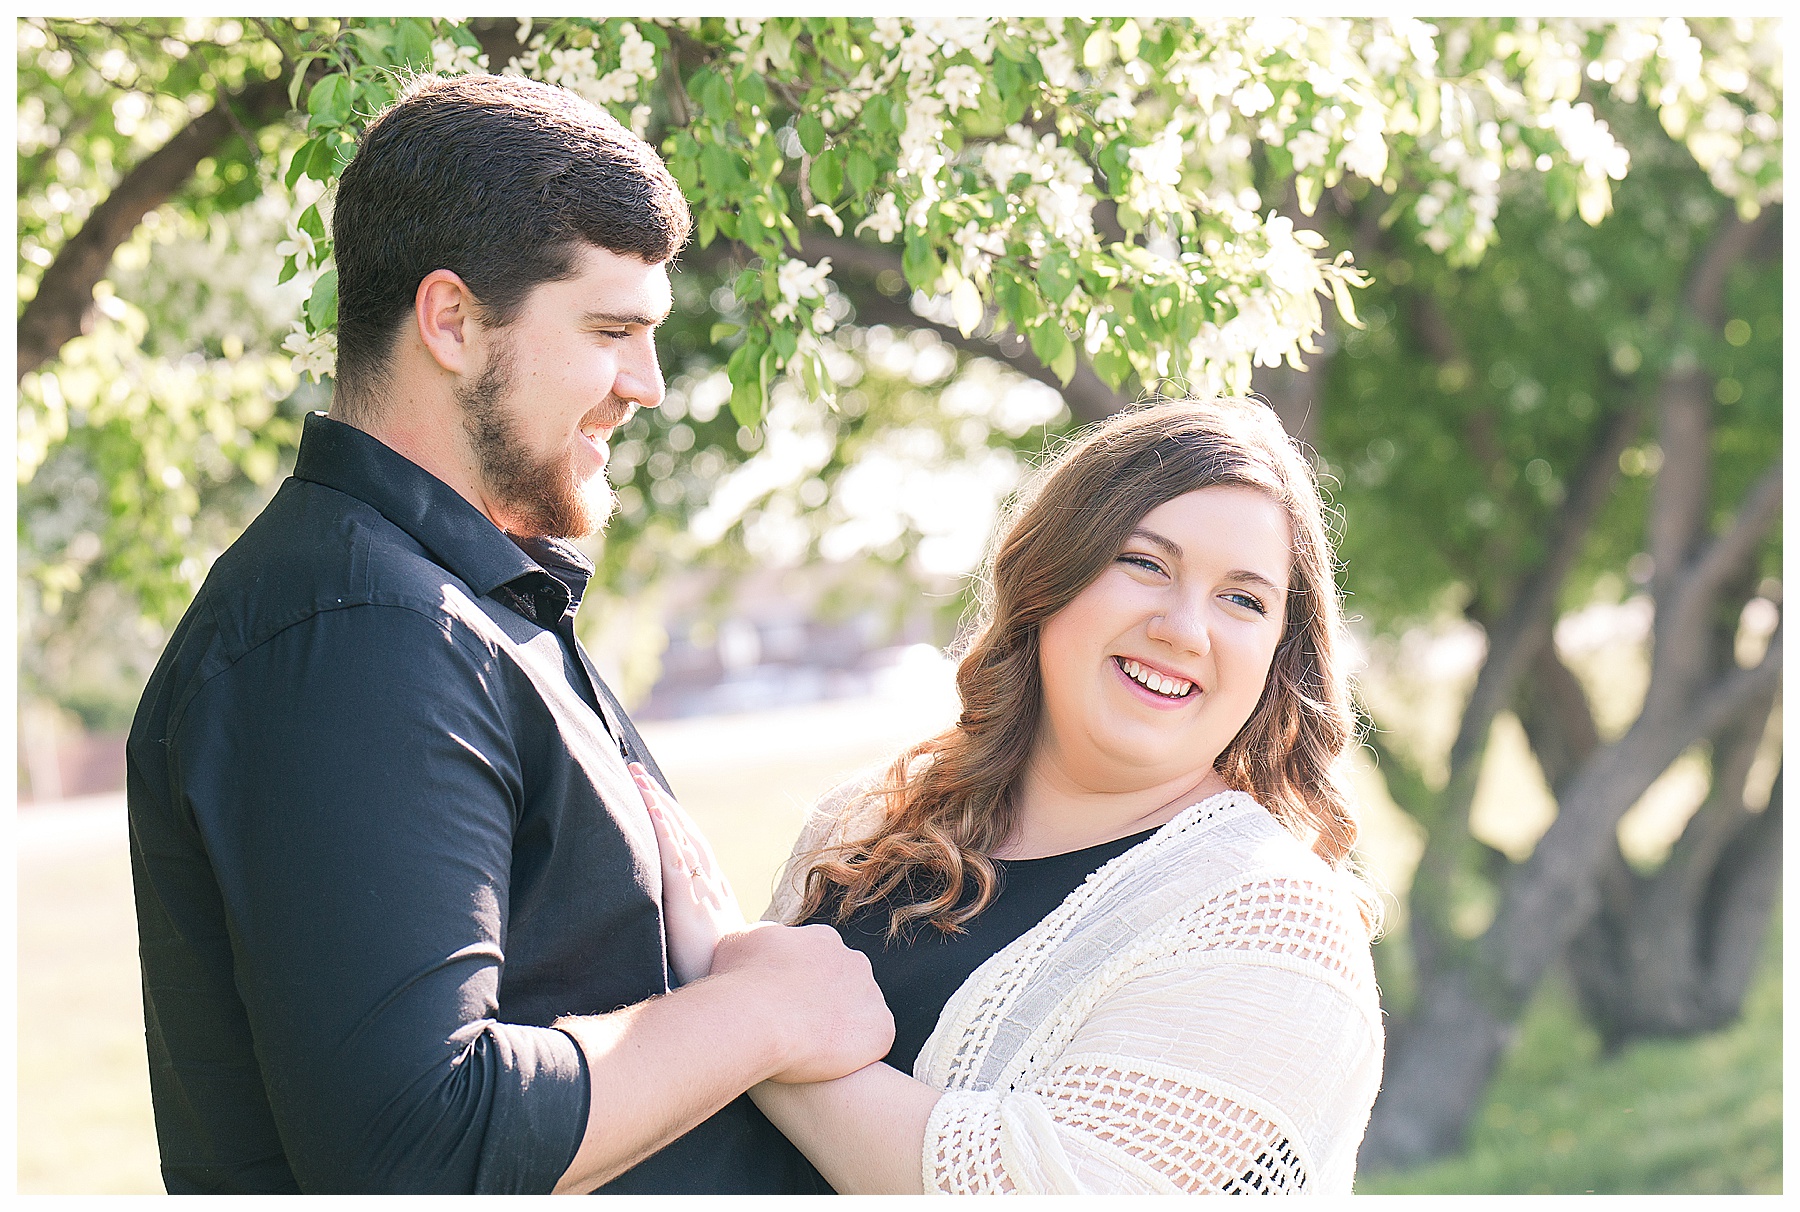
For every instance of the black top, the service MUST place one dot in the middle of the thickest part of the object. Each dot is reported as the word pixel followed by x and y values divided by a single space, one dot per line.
pixel 920 970
pixel 381 836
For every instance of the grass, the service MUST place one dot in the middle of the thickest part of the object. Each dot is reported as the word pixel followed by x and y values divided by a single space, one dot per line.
pixel 1678 1117
pixel 1697 1116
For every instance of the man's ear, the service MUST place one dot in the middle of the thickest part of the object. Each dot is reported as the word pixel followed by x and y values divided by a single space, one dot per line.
pixel 444 309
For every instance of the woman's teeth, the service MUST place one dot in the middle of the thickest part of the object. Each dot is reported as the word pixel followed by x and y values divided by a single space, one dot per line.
pixel 1174 688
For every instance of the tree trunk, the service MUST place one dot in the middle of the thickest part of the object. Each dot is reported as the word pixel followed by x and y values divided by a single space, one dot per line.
pixel 1439 1063
pixel 1671 954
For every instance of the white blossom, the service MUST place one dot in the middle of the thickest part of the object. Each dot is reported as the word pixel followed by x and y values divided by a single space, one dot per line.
pixel 1365 150
pixel 636 55
pixel 1156 174
pixel 1116 108
pixel 1309 149
pixel 889 32
pixel 1058 62
pixel 960 86
pixel 829 217
pixel 315 354
pixel 299 245
pixel 979 248
pixel 885 219
pixel 1253 99
pixel 797 280
pixel 454 59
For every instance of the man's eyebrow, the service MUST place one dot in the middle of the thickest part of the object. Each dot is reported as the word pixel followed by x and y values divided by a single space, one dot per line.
pixel 1174 550
pixel 620 319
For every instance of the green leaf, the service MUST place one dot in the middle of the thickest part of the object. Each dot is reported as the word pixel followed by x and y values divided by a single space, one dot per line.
pixel 1056 276
pixel 723 330
pixel 784 343
pixel 860 170
pixel 709 227
pixel 318 167
pixel 722 169
pixel 288 269
pixel 827 178
pixel 1112 365
pixel 875 116
pixel 921 263
pixel 1051 345
pixel 745 372
pixel 321 306
pixel 297 166
pixel 812 134
pixel 305 61
pixel 412 41
pixel 750 229
pixel 329 101
pixel 341 155
pixel 310 222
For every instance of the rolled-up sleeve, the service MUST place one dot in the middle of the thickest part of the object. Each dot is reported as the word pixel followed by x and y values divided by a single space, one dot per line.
pixel 355 786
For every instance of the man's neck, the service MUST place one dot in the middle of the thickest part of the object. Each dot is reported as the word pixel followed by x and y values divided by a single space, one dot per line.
pixel 426 428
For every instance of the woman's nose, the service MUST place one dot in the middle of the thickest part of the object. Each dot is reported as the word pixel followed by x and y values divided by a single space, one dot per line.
pixel 1183 626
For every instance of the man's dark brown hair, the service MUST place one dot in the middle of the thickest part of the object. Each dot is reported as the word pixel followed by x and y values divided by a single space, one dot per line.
pixel 498 179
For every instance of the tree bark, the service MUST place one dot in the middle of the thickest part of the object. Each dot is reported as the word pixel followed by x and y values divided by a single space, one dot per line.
pixel 62 309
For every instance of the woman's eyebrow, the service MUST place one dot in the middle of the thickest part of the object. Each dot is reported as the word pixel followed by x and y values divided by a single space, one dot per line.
pixel 1254 578
pixel 1174 551
pixel 1167 544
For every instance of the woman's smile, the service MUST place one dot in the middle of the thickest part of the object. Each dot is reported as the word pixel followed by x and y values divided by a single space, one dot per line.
pixel 1156 686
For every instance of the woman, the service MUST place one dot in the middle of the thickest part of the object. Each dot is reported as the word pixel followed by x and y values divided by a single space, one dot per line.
pixel 1110 908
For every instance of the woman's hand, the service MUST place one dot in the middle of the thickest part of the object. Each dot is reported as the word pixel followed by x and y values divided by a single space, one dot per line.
pixel 699 907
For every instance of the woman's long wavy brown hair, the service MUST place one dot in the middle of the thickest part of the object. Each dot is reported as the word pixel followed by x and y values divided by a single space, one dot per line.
pixel 949 800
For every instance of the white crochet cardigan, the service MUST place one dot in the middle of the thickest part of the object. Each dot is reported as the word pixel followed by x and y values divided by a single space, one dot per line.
pixel 1199 1015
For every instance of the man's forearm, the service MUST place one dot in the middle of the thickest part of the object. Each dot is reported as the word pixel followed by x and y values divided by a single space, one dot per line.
pixel 658 1068
pixel 864 1132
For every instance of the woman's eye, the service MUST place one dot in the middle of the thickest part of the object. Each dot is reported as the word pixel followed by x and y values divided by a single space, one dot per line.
pixel 1246 601
pixel 1144 562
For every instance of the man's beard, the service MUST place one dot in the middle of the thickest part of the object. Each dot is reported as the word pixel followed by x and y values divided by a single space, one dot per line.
pixel 540 497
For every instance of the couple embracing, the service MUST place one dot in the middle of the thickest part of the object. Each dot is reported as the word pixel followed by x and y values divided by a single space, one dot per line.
pixel 418 912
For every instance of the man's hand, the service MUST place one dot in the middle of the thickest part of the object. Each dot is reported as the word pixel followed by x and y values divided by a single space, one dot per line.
pixel 823 1006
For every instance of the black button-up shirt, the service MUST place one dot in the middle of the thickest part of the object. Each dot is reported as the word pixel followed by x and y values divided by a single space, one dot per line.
pixel 382 834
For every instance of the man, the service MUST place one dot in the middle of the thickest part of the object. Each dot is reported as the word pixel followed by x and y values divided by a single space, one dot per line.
pixel 398 897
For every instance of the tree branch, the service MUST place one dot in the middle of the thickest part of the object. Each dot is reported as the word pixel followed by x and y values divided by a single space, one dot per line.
pixel 1552 894
pixel 1682 642
pixel 62 307
pixel 1684 415
pixel 1558 721
pixel 1087 396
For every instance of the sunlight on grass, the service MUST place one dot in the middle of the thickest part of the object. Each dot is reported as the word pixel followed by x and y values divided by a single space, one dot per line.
pixel 1700 1116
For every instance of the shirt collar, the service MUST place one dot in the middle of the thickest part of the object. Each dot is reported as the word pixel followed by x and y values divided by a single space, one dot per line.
pixel 458 536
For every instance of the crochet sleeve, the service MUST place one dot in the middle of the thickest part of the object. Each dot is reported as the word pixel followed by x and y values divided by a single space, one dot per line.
pixel 1239 1055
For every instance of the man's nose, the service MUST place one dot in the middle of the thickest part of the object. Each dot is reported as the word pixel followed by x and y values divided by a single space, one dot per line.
pixel 640 378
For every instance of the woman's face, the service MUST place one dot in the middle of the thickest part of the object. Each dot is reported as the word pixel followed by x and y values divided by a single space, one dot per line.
pixel 1155 666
